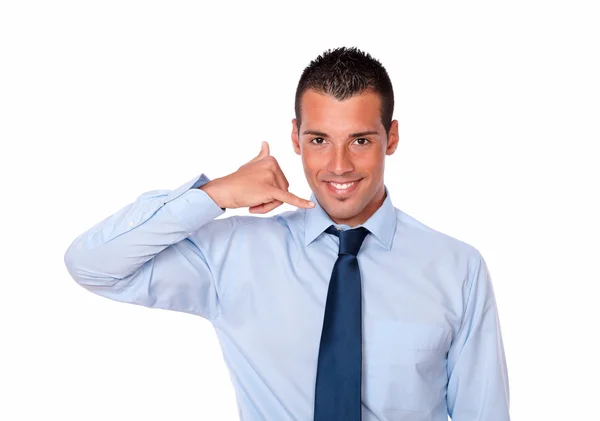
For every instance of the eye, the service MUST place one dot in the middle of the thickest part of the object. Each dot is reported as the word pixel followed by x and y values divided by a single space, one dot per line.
pixel 317 138
pixel 365 139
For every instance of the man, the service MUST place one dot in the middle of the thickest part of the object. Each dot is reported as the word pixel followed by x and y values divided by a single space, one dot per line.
pixel 344 309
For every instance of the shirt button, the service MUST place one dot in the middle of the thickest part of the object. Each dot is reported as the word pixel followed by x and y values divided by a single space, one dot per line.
pixel 130 223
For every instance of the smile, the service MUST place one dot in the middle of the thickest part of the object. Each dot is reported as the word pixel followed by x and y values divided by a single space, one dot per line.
pixel 342 186
pixel 342 189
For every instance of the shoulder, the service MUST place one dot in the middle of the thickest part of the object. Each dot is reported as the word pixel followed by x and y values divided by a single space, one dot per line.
pixel 270 225
pixel 452 261
pixel 250 226
pixel 436 243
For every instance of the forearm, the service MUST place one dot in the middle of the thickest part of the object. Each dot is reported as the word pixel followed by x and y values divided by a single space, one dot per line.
pixel 119 245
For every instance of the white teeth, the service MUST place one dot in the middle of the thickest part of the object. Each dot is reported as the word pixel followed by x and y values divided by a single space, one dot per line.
pixel 342 186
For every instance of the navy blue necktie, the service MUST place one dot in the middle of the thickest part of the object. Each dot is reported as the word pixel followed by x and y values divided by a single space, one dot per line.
pixel 339 370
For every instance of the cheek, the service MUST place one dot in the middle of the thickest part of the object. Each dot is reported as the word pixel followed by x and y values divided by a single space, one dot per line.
pixel 313 162
pixel 372 162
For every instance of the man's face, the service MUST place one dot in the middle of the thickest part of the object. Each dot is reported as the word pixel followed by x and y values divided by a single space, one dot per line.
pixel 344 142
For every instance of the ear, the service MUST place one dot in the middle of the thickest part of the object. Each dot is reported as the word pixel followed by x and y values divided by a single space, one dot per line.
pixel 393 138
pixel 295 141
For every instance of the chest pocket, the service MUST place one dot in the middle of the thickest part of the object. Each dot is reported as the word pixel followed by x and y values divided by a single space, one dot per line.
pixel 405 365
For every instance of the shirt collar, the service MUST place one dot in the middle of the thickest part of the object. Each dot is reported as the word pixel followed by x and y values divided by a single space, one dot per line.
pixel 382 224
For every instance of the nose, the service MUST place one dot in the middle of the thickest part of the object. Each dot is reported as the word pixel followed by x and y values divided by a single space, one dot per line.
pixel 340 162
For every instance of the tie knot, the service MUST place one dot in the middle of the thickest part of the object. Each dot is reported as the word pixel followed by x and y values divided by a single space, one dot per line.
pixel 350 240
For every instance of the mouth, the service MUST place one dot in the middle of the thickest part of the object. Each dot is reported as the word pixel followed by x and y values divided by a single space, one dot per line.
pixel 342 189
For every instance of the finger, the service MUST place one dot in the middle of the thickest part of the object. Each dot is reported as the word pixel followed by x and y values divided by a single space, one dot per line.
pixel 292 199
pixel 266 207
pixel 264 151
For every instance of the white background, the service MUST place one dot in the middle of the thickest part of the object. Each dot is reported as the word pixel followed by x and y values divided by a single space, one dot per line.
pixel 498 108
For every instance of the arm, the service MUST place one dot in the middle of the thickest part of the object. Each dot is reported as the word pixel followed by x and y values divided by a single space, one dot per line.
pixel 142 254
pixel 477 374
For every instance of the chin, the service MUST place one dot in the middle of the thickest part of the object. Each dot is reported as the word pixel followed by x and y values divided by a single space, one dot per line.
pixel 347 209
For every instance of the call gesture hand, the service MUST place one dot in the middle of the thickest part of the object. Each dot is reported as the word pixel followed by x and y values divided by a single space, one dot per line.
pixel 259 185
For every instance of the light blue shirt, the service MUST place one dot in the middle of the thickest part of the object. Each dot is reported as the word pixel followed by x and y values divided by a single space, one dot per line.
pixel 431 333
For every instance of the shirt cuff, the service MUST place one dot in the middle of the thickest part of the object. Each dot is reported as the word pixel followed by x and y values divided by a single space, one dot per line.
pixel 193 206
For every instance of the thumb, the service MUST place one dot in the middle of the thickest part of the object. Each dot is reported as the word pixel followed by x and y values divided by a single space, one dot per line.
pixel 264 151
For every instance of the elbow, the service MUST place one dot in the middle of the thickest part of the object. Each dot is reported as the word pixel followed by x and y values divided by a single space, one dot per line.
pixel 81 267
pixel 71 262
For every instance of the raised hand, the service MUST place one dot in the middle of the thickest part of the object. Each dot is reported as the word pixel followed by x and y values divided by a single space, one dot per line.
pixel 259 185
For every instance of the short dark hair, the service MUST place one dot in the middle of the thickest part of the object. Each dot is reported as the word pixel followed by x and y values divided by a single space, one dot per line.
pixel 345 72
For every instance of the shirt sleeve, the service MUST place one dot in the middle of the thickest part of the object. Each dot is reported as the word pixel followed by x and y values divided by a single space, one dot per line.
pixel 153 252
pixel 478 387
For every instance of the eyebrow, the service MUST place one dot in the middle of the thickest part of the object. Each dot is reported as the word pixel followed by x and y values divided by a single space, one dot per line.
pixel 358 134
